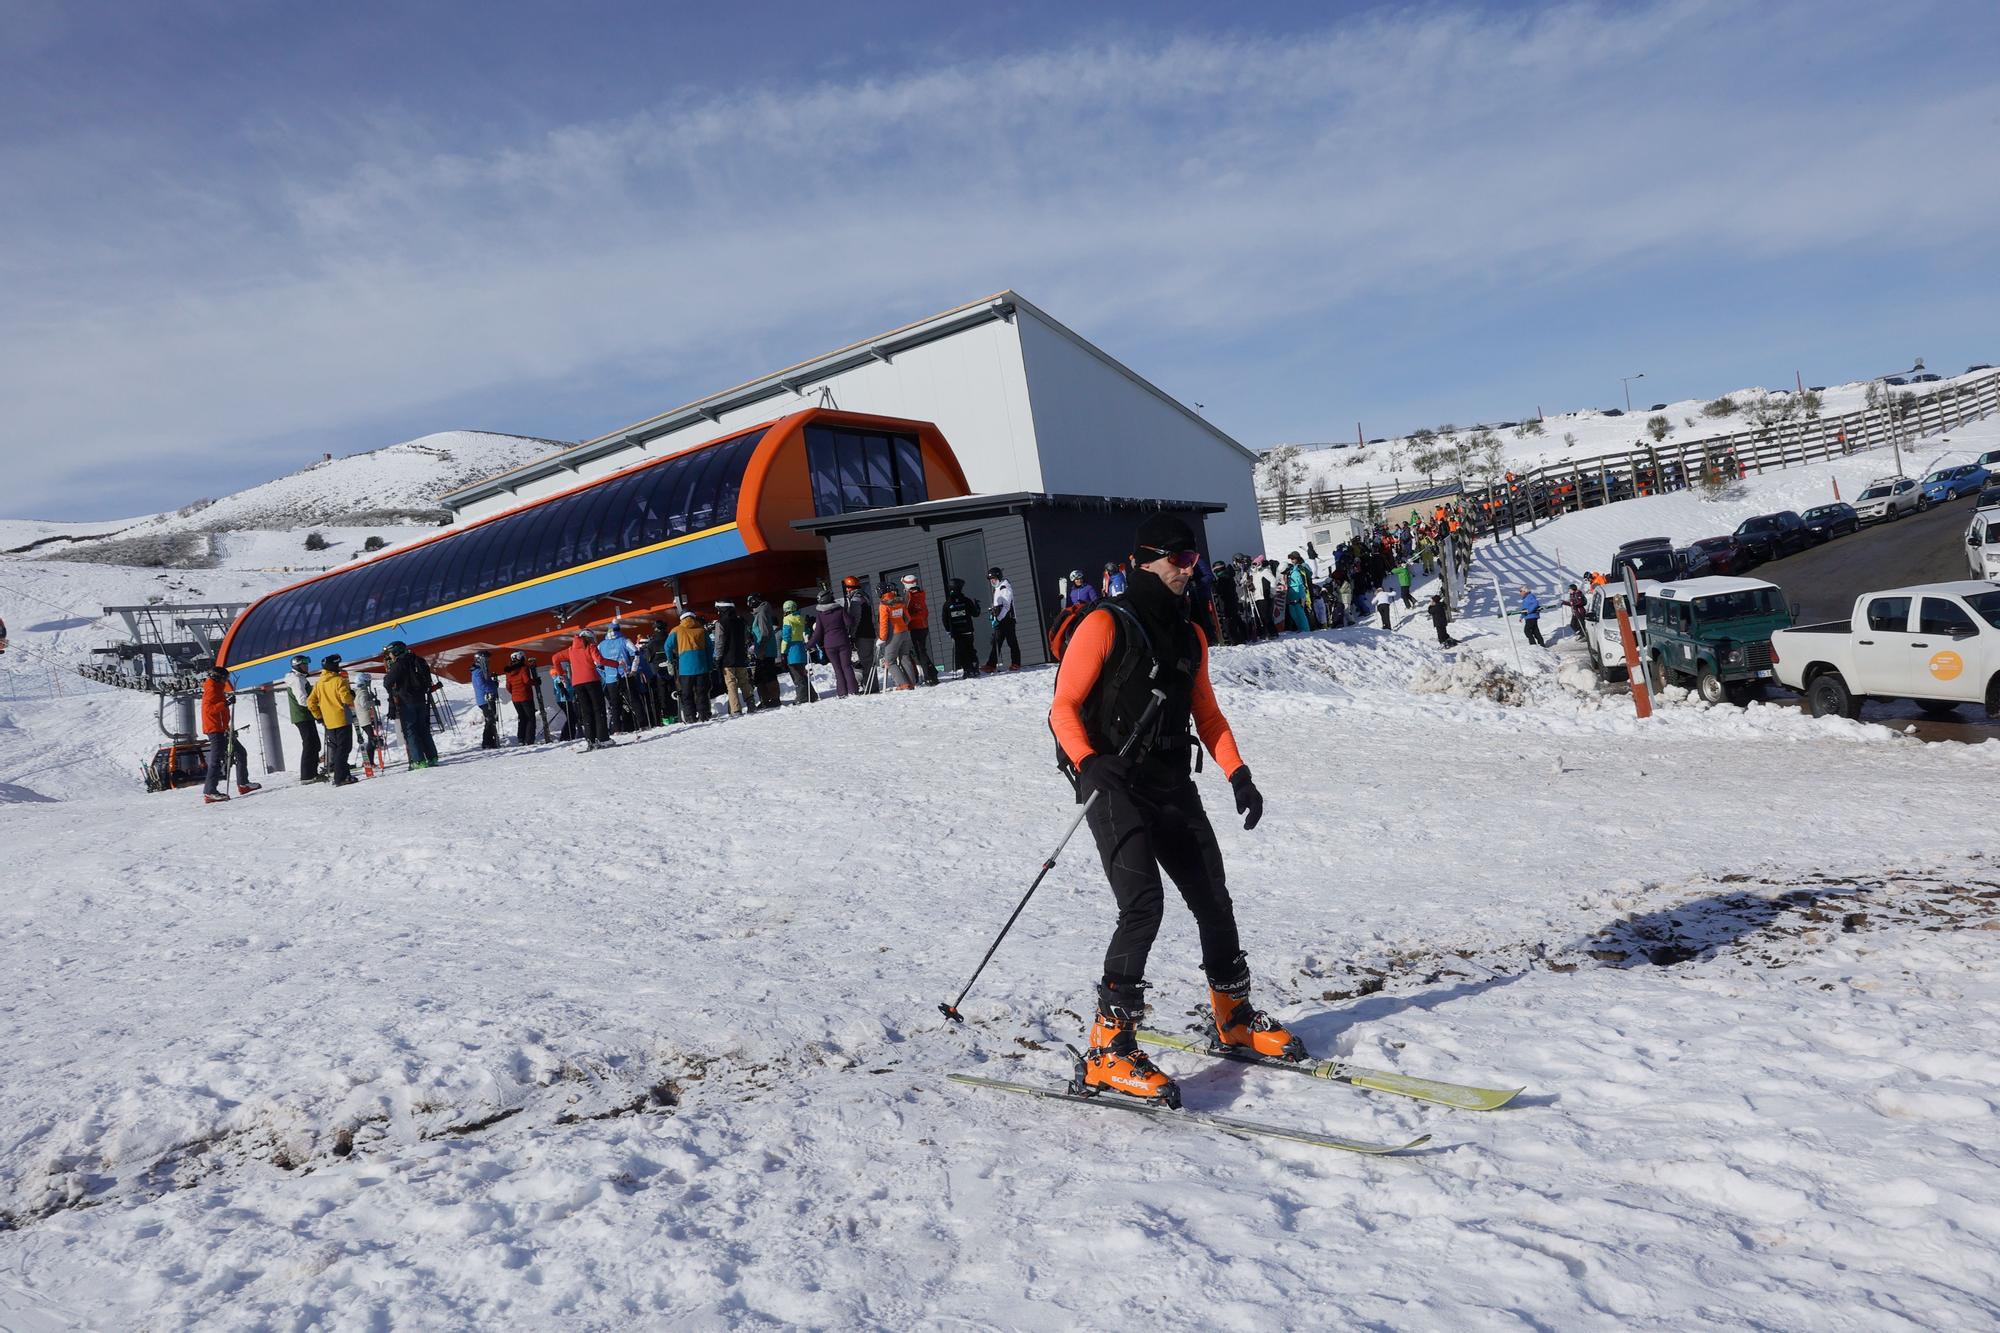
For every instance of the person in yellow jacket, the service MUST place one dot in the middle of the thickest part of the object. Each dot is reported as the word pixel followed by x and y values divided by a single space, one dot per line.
pixel 329 701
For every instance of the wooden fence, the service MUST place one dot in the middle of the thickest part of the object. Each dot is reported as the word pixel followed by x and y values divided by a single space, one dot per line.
pixel 1652 469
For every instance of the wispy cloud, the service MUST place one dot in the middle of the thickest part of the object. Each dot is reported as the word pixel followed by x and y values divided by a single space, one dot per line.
pixel 353 269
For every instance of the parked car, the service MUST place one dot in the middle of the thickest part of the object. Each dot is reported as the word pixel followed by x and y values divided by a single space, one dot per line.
pixel 1824 522
pixel 1888 497
pixel 1982 543
pixel 1896 380
pixel 1936 643
pixel 1768 536
pixel 1713 634
pixel 1601 638
pixel 1711 555
pixel 1949 483
pixel 1649 557
pixel 1979 365
pixel 1928 377
pixel 1657 407
pixel 1990 460
pixel 1989 494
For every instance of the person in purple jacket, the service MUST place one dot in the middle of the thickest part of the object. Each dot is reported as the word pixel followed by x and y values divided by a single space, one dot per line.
pixel 833 635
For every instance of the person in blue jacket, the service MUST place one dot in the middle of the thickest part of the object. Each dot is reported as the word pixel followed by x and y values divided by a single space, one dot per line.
pixel 1296 591
pixel 486 698
pixel 793 634
pixel 1531 617
pixel 617 679
pixel 694 658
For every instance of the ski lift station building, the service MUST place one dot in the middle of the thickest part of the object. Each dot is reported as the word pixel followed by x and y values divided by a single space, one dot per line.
pixel 1027 404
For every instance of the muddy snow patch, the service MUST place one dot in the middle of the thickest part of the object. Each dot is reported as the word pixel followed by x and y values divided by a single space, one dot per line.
pixel 1470 677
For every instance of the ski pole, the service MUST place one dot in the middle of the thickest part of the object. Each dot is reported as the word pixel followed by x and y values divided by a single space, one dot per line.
pixel 951 1010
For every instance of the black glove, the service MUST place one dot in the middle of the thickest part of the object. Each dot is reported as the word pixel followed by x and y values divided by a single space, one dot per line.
pixel 1249 801
pixel 1102 772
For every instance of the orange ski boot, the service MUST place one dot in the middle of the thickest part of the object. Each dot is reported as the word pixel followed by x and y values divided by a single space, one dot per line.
pixel 1114 1062
pixel 1240 1023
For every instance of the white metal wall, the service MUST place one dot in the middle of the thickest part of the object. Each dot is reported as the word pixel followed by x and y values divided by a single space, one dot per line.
pixel 970 384
pixel 1102 432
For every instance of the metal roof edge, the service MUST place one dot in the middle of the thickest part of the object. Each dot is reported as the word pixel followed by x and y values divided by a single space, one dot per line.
pixel 1064 330
pixel 959 504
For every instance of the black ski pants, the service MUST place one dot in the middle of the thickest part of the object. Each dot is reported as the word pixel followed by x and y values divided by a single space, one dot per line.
pixel 524 722
pixel 695 700
pixel 308 749
pixel 1532 627
pixel 489 736
pixel 414 715
pixel 965 654
pixel 920 641
pixel 590 709
pixel 1141 831
pixel 339 742
pixel 222 747
pixel 1003 632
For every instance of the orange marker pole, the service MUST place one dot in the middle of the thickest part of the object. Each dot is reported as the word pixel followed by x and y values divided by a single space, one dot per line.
pixel 1642 698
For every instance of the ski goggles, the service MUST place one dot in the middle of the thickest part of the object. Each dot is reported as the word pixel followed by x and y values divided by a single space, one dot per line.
pixel 1181 559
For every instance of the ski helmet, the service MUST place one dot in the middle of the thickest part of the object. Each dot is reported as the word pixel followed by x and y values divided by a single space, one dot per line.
pixel 850 582
pixel 301 661
pixel 331 662
pixel 481 657
pixel 396 648
pixel 993 573
pixel 1110 565
pixel 753 601
pixel 1076 576
pixel 790 606
pixel 518 657
pixel 909 580
pixel 958 585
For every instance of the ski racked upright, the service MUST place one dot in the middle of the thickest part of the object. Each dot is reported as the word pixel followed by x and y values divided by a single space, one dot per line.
pixel 1181 1115
pixel 1462 1096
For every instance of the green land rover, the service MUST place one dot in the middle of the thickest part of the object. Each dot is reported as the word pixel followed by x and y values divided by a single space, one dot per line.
pixel 1713 634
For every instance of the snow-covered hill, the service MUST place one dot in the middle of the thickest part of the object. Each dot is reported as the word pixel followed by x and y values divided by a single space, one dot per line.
pixel 397 486
pixel 1528 443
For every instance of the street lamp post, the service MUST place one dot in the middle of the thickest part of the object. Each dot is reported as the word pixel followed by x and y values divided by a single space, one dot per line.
pixel 1625 381
pixel 1889 409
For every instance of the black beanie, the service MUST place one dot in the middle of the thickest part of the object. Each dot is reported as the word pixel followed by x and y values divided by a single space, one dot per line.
pixel 1164 532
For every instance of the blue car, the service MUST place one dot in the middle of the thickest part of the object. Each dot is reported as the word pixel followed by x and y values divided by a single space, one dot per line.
pixel 1948 483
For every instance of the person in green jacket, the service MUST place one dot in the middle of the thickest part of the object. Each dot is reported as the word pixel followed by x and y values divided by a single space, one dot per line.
pixel 1404 575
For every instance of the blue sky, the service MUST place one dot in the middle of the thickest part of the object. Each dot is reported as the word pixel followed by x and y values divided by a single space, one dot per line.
pixel 237 233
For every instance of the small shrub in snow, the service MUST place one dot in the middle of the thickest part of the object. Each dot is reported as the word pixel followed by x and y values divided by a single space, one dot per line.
pixel 1658 427
pixel 1532 426
pixel 1724 406
pixel 373 544
pixel 315 542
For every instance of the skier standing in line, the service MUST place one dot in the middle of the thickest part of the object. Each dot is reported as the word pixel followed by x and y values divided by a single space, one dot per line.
pixel 1297 587
pixel 408 680
pixel 520 677
pixel 919 608
pixel 692 663
pixel 766 656
pixel 298 689
pixel 587 687
pixel 368 728
pixel 896 660
pixel 332 696
pixel 960 614
pixel 833 635
pixel 792 636
pixel 732 658
pixel 222 744
pixel 861 624
pixel 1577 606
pixel 1002 617
pixel 486 698
pixel 1404 576
pixel 1148 817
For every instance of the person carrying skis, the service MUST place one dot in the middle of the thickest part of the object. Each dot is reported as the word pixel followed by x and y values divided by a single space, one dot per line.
pixel 298 689
pixel 332 696
pixel 1001 615
pixel 833 635
pixel 960 614
pixel 222 743
pixel 520 676
pixel 919 608
pixel 1147 816
pixel 486 698
pixel 368 732
pixel 408 680
pixel 792 636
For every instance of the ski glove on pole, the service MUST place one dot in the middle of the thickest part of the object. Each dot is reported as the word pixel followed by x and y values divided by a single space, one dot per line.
pixel 1100 772
pixel 1249 801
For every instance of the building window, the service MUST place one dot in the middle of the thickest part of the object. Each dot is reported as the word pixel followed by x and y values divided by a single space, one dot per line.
pixel 854 470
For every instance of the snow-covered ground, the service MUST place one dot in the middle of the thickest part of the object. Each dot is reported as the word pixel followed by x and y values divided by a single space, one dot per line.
pixel 1583 434
pixel 649 1037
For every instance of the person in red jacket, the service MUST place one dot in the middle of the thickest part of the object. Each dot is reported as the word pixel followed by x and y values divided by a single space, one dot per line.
pixel 896 659
pixel 1144 810
pixel 520 677
pixel 918 609
pixel 584 659
pixel 222 746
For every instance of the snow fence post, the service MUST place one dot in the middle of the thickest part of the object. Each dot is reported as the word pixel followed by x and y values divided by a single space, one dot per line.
pixel 1500 599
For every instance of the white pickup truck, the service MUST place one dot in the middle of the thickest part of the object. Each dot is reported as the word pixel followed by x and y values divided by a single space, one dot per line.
pixel 1936 643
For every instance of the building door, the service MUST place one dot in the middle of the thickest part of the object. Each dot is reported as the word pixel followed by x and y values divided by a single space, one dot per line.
pixel 964 557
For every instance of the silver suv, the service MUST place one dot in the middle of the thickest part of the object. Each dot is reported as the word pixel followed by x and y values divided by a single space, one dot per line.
pixel 1886 498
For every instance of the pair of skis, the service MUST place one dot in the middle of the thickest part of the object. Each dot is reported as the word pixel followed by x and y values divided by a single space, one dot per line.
pixel 1461 1096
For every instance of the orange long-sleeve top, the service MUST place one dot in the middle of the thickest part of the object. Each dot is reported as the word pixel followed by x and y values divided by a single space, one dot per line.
pixel 1083 662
